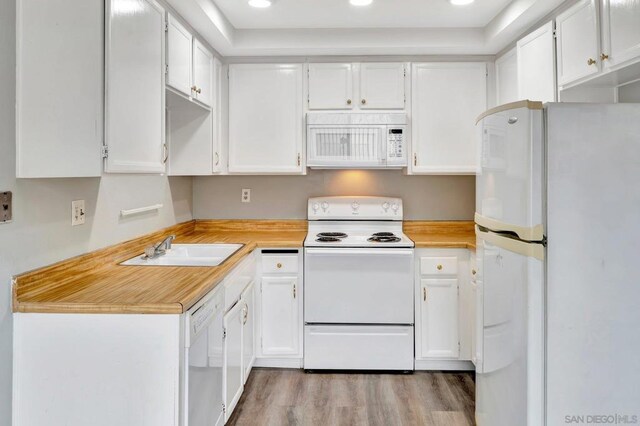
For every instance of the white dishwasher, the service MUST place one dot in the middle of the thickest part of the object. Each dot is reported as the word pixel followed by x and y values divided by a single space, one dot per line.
pixel 202 381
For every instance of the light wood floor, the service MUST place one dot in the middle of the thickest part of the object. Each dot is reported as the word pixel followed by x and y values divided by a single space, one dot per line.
pixel 292 397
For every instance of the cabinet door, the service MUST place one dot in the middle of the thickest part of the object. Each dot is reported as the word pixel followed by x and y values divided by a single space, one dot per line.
pixel 232 369
pixel 331 86
pixel 280 316
pixel 382 86
pixel 507 78
pixel 59 88
pixel 265 118
pixel 439 318
pixel 621 31
pixel 578 42
pixel 218 166
pixel 536 65
pixel 248 332
pixel 179 59
pixel 203 74
pixel 446 100
pixel 135 104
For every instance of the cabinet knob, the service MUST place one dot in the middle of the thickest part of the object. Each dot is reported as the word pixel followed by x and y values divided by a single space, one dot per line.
pixel 473 272
pixel 439 267
pixel 199 90
pixel 279 265
pixel 604 56
pixel 348 101
pixel 591 61
pixel 193 88
pixel 364 101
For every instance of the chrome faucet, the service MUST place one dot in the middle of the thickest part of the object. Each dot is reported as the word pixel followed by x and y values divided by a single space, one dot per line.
pixel 159 249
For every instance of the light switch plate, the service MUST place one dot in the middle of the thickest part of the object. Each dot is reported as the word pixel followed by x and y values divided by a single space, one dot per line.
pixel 246 195
pixel 6 207
pixel 77 212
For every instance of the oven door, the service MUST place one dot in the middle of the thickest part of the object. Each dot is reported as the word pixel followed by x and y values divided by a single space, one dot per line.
pixel 358 286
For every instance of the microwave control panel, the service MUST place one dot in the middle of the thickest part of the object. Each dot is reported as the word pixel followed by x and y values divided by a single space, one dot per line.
pixel 396 149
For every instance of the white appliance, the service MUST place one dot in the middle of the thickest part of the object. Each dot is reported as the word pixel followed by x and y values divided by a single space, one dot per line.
pixel 558 204
pixel 358 303
pixel 202 403
pixel 356 140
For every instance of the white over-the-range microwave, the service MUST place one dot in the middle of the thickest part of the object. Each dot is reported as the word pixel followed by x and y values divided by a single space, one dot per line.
pixel 356 140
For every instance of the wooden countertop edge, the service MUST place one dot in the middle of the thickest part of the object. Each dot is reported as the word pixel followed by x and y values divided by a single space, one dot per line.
pixel 425 234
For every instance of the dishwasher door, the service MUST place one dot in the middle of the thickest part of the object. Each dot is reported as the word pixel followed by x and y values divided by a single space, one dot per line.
pixel 358 286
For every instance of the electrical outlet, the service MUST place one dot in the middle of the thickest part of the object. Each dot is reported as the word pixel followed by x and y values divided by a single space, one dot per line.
pixel 77 212
pixel 246 195
pixel 5 207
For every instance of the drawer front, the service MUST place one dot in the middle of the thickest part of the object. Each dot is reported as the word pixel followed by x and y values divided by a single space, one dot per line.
pixel 238 280
pixel 280 264
pixel 439 265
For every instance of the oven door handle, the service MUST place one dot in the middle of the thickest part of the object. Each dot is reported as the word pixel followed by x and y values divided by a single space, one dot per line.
pixel 359 251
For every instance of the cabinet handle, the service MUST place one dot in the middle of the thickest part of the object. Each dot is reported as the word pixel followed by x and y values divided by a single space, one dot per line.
pixel 246 314
pixel 364 101
pixel 348 101
pixel 439 267
pixel 415 159
pixel 217 159
pixel 294 291
pixel 299 160
pixel 424 294
pixel 165 152
pixel 591 61
pixel 604 57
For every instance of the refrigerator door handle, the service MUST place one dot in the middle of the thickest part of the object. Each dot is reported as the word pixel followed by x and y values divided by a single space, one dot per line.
pixel 535 250
pixel 535 233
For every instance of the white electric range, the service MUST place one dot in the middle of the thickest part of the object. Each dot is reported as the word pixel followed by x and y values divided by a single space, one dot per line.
pixel 359 288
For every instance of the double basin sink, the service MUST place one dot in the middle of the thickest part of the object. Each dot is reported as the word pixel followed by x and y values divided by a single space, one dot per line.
pixel 188 255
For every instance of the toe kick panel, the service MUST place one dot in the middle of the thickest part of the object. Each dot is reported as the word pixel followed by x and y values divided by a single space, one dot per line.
pixel 358 347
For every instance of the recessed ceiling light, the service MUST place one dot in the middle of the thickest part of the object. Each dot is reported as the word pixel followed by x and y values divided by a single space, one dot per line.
pixel 461 2
pixel 260 3
pixel 360 2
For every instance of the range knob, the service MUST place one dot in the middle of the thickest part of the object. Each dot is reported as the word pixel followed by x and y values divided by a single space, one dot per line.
pixel 325 205
pixel 315 207
pixel 385 206
pixel 355 205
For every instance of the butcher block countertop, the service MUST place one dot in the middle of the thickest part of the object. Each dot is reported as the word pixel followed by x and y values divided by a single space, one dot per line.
pixel 96 283
pixel 441 234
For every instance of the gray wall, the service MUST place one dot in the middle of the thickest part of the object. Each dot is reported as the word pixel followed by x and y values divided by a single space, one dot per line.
pixel 41 232
pixel 285 197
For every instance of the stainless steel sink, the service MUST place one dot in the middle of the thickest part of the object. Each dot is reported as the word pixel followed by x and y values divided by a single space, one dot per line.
pixel 188 255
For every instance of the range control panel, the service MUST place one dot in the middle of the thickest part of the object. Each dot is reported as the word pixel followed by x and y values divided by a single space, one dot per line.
pixel 354 208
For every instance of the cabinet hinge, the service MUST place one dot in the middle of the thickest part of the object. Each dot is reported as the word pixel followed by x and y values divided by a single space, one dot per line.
pixel 166 27
pixel 224 333
pixel 224 408
pixel 404 71
pixel 555 35
pixel 104 150
pixel 166 69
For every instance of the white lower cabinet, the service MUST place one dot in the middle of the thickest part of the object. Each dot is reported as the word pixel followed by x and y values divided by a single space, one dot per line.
pixel 232 370
pixel 280 309
pixel 443 327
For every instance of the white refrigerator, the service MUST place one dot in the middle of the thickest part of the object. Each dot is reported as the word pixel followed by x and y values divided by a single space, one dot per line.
pixel 558 239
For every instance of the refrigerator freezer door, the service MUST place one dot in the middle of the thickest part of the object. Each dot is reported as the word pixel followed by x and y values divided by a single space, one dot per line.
pixel 593 290
pixel 509 184
pixel 510 351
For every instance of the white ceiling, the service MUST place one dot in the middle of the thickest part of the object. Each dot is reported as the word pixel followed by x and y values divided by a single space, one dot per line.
pixel 289 14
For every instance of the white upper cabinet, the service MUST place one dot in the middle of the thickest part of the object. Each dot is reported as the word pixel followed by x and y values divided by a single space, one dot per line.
pixel 59 88
pixel 331 86
pixel 265 119
pixel 382 85
pixel 179 63
pixel 203 73
pixel 135 95
pixel 578 43
pixel 621 31
pixel 536 65
pixel 446 100
pixel 507 78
